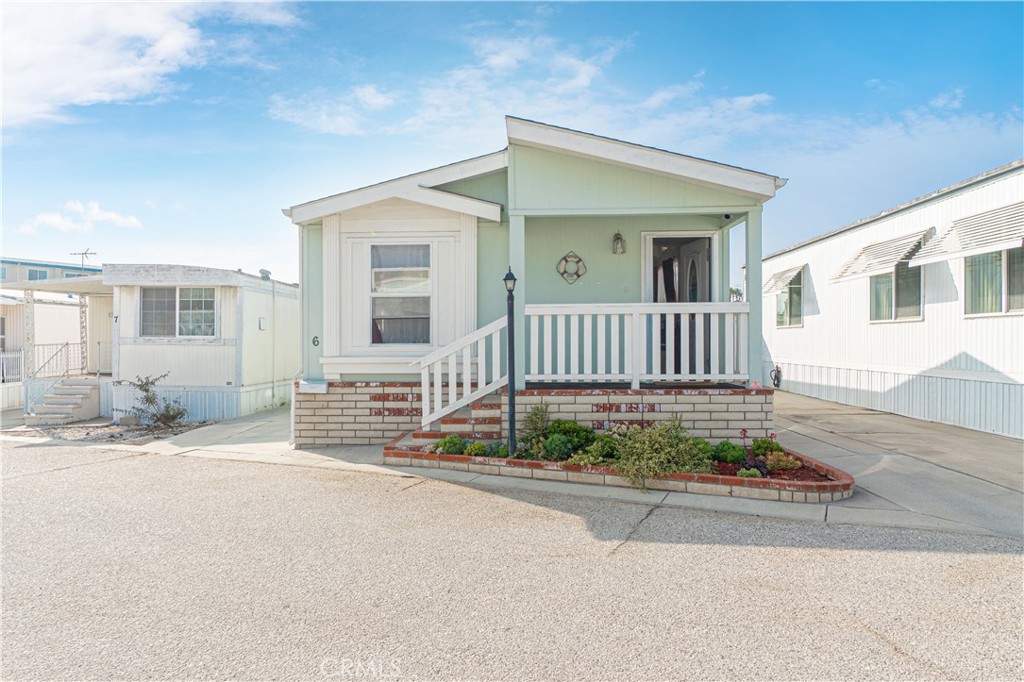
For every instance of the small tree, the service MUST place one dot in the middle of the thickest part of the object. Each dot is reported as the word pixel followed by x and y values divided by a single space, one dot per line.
pixel 150 408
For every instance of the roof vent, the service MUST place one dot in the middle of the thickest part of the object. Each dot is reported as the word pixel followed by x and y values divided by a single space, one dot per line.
pixel 265 274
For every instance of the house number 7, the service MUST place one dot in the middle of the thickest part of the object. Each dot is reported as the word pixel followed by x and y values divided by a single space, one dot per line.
pixel 316 340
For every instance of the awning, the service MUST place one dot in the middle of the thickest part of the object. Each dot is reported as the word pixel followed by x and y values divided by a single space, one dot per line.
pixel 995 230
pixel 881 257
pixel 781 280
pixel 82 286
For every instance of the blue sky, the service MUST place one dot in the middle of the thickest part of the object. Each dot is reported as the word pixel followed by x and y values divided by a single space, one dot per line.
pixel 171 132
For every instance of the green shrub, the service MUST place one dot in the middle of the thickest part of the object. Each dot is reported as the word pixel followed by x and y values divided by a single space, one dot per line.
pixel 558 448
pixel 749 473
pixel 775 461
pixel 497 450
pixel 762 446
pixel 580 436
pixel 475 450
pixel 729 452
pixel 533 427
pixel 588 458
pixel 604 447
pixel 452 444
pixel 152 410
pixel 662 449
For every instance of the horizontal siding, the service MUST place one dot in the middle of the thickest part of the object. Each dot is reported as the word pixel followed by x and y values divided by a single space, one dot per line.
pixel 189 364
pixel 945 367
pixel 12 395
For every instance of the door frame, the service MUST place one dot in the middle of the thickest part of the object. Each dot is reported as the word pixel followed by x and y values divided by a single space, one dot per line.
pixel 647 252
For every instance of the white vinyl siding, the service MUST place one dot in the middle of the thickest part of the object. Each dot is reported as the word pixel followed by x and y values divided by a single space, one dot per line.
pixel 994 282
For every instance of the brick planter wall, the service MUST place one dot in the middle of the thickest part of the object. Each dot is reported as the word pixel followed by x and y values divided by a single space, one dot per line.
pixel 356 413
pixel 714 414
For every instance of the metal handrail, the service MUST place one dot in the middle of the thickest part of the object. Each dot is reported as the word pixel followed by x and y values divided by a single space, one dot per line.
pixel 49 360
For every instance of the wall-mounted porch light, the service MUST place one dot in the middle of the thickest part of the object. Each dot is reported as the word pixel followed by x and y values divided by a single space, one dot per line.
pixel 618 244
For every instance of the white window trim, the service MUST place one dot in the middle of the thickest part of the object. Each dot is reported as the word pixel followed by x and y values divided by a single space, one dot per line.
pixel 892 309
pixel 29 271
pixel 177 310
pixel 432 295
pixel 1005 297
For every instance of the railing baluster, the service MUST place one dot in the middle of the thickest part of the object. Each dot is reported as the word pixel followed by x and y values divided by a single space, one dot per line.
pixel 743 345
pixel 638 361
pixel 495 355
pixel 549 346
pixel 425 399
pixel 716 320
pixel 698 344
pixel 532 366
pixel 453 378
pixel 616 364
pixel 437 384
pixel 574 346
pixel 601 331
pixel 560 323
pixel 467 372
pixel 655 345
pixel 670 345
pixel 730 344
pixel 587 361
pixel 481 363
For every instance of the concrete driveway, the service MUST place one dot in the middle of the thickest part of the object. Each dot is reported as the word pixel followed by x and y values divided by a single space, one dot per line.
pixel 909 473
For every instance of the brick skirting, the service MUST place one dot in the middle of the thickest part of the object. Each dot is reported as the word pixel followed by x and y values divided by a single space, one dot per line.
pixel 711 413
pixel 356 413
pixel 371 413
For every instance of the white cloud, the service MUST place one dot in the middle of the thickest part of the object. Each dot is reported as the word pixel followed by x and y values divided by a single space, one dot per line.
pixel 370 97
pixel 57 55
pixel 950 99
pixel 344 114
pixel 79 217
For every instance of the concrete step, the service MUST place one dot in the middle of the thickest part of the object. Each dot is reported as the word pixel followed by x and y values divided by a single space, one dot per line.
pixel 479 425
pixel 80 381
pixel 47 420
pixel 63 399
pixel 63 390
pixel 468 435
pixel 43 408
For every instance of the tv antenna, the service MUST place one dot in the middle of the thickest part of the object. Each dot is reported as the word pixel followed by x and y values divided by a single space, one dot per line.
pixel 84 254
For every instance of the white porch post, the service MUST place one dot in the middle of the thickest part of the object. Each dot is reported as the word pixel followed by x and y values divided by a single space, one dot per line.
pixel 752 285
pixel 83 334
pixel 30 333
pixel 517 261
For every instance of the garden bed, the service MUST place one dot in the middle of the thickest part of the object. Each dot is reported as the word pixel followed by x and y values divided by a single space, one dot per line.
pixel 832 485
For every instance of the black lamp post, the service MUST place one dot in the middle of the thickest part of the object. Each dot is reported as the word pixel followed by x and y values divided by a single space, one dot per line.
pixel 510 287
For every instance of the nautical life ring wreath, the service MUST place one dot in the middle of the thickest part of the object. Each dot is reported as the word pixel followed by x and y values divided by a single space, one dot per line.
pixel 571 267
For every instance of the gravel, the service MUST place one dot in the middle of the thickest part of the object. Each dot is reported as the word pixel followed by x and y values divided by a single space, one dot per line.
pixel 132 566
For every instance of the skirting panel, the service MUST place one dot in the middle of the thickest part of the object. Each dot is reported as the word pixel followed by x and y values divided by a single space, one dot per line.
pixel 992 407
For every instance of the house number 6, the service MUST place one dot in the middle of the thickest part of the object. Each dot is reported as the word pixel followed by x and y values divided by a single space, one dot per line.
pixel 316 340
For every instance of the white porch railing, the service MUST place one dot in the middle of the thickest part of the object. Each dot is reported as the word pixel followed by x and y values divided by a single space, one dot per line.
pixel 462 371
pixel 12 366
pixel 627 342
pixel 637 342
pixel 57 359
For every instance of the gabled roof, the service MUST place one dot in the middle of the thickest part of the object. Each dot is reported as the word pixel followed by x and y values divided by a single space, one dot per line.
pixel 781 280
pixel 995 230
pixel 542 135
pixel 881 257
pixel 408 187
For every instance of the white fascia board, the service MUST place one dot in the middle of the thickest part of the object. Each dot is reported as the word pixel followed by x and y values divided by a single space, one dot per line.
pixel 533 134
pixel 950 255
pixel 454 202
pixel 314 210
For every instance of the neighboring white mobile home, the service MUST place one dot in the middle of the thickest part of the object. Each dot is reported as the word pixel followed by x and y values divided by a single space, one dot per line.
pixel 918 310
pixel 227 339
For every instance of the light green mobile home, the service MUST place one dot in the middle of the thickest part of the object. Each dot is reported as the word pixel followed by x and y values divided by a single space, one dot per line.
pixel 621 254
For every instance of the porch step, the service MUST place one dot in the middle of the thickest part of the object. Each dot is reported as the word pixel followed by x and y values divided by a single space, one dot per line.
pixel 72 399
pixel 479 424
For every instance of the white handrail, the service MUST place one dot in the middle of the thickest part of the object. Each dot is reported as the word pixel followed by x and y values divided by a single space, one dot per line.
pixel 462 365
